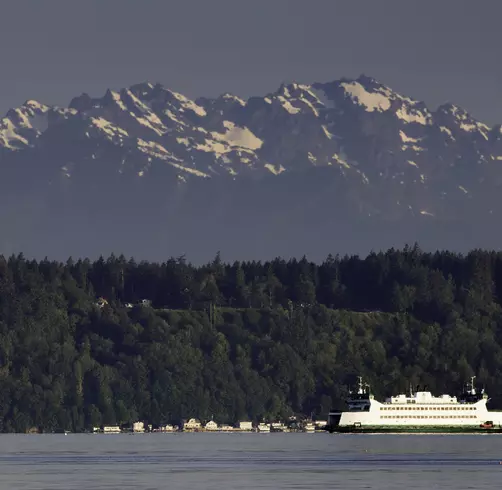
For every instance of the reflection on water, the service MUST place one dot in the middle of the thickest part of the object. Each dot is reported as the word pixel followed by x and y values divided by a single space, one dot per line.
pixel 250 461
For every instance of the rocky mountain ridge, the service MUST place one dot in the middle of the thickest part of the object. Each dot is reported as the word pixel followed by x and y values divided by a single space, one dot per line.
pixel 349 154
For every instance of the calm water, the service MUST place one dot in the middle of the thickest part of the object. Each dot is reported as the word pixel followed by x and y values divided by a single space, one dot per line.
pixel 249 461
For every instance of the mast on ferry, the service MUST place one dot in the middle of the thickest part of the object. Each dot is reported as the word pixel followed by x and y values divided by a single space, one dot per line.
pixel 473 388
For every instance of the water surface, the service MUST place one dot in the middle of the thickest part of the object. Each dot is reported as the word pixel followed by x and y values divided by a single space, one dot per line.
pixel 250 461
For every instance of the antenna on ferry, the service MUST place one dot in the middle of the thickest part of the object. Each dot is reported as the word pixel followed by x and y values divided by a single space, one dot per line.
pixel 473 389
pixel 360 378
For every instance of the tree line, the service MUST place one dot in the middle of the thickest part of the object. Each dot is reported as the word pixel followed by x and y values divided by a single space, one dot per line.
pixel 246 340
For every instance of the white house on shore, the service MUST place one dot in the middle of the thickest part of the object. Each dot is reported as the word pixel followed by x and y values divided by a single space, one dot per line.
pixel 192 425
pixel 211 426
pixel 167 428
pixel 246 426
pixel 138 427
pixel 111 429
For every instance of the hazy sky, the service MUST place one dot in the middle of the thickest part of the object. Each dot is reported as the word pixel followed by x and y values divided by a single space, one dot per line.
pixel 436 51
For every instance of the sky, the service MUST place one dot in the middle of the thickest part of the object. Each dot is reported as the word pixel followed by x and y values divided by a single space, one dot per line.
pixel 435 51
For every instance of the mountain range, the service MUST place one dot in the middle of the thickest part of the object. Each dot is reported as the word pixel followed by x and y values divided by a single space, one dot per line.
pixel 342 167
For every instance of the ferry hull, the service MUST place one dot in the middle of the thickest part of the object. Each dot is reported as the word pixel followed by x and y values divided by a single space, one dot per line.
pixel 406 429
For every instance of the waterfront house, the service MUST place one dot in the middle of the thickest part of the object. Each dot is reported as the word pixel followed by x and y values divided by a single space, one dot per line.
pixel 278 427
pixel 211 426
pixel 192 425
pixel 246 426
pixel 111 429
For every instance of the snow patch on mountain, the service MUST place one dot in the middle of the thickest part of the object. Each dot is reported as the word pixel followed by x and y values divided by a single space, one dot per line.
pixel 118 100
pixel 327 133
pixel 309 104
pixel 414 148
pixel 483 129
pixel 23 125
pixel 233 98
pixel 212 146
pixel 183 141
pixel 287 106
pixel 190 105
pixel 113 133
pixel 276 170
pixel 446 130
pixel 371 101
pixel 236 136
pixel 154 149
pixel 189 170
pixel 407 139
pixel 9 137
pixel 463 121
pixel 409 114
pixel 341 161
pixel 170 114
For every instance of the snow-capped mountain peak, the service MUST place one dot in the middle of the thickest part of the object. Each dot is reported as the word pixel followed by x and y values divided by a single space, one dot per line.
pixel 354 148
pixel 22 125
pixel 359 128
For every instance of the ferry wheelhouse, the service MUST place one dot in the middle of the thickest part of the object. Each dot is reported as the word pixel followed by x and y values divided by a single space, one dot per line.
pixel 419 411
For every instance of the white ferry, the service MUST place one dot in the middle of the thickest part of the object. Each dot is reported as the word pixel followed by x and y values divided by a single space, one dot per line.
pixel 417 412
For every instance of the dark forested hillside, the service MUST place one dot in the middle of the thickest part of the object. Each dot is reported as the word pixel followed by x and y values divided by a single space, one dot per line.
pixel 249 339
